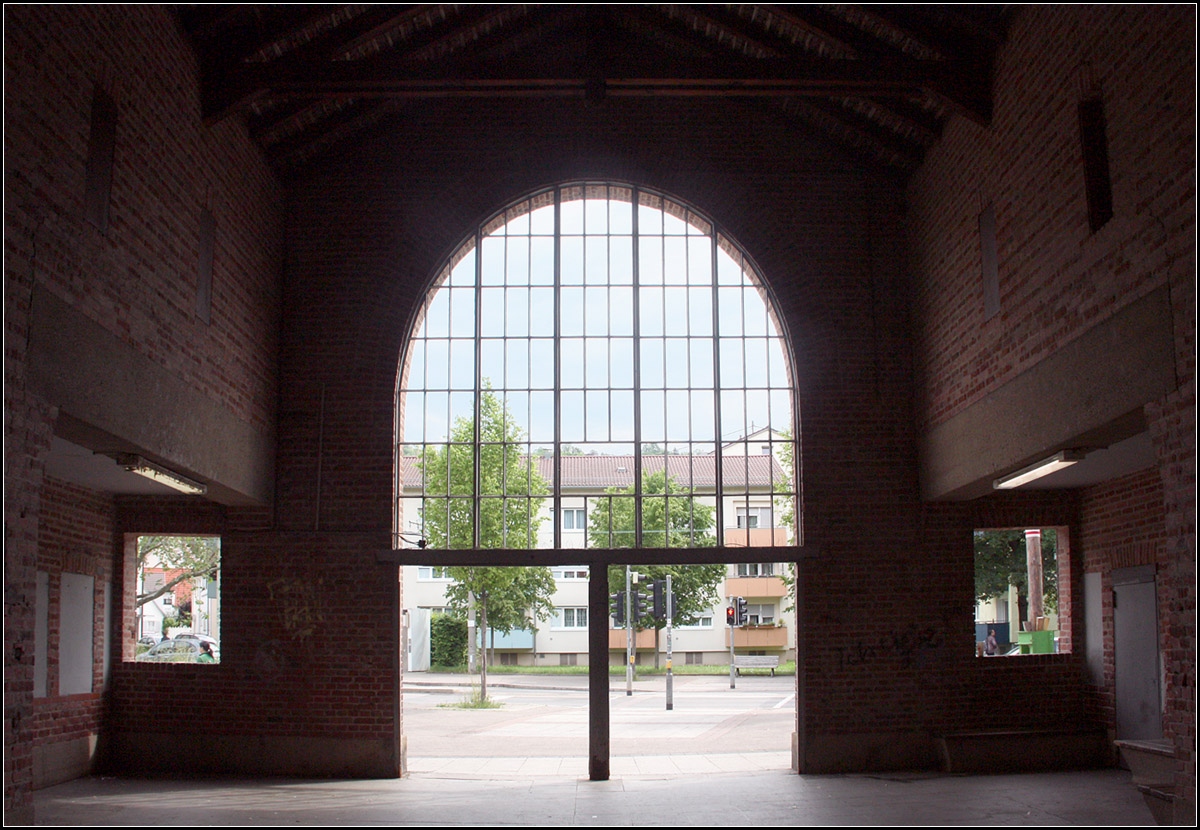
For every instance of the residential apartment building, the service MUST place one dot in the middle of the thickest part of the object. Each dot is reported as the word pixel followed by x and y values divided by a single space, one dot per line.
pixel 751 517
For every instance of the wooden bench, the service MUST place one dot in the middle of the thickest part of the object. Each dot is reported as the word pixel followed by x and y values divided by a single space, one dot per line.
pixel 755 661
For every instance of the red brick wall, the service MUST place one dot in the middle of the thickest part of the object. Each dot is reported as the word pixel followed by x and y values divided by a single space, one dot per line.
pixel 137 279
pixel 309 666
pixel 1122 522
pixel 75 536
pixel 1057 278
pixel 1173 428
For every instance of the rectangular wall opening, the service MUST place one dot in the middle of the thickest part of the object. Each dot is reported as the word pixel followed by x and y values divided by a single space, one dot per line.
pixel 1022 591
pixel 175 604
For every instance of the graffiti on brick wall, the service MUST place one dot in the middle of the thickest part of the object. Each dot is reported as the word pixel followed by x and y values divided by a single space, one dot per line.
pixel 913 647
pixel 298 602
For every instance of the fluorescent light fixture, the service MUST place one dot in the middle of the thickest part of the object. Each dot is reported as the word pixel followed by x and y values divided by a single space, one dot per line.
pixel 1058 461
pixel 139 465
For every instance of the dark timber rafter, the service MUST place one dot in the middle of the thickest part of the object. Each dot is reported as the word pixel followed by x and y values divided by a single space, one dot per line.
pixel 881 79
pixel 766 78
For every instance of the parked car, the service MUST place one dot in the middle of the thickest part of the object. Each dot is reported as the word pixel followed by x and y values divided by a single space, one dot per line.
pixel 147 641
pixel 172 651
pixel 202 638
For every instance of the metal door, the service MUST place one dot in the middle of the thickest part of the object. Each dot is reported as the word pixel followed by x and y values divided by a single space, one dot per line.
pixel 1135 634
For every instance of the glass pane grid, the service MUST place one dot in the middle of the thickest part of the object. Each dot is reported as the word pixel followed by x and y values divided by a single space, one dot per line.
pixel 615 339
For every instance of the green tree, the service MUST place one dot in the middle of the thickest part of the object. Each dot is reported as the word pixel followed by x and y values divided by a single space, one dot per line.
pixel 671 517
pixel 184 558
pixel 508 517
pixel 1000 562
pixel 514 598
pixel 505 498
pixel 679 520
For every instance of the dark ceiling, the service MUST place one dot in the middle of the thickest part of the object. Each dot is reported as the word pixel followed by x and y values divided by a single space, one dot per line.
pixel 880 80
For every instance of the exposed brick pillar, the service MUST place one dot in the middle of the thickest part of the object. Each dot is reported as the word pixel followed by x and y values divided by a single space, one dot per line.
pixel 30 427
pixel 1172 427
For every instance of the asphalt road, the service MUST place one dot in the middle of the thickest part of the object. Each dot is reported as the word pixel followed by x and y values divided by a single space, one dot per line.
pixel 547 716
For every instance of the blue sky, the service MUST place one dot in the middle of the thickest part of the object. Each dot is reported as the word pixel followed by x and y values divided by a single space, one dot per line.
pixel 596 326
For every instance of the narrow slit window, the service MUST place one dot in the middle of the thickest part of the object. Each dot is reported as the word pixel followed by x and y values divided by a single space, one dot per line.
pixel 1093 131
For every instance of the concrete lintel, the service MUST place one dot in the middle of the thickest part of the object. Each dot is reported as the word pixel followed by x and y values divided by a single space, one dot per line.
pixel 105 388
pixel 1101 379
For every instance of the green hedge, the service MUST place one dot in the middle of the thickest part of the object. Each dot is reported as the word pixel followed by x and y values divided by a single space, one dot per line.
pixel 447 641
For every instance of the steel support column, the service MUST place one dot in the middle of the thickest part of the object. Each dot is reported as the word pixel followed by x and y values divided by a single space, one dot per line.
pixel 598 740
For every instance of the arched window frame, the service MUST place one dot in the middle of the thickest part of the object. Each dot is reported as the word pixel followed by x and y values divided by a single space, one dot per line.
pixel 407 548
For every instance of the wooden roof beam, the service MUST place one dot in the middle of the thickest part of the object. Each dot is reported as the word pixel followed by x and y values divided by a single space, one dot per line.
pixel 734 77
pixel 245 82
pixel 851 41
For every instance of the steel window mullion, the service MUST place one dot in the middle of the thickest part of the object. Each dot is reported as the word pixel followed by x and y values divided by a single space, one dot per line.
pixel 475 499
pixel 556 484
pixel 477 455
pixel 746 425
pixel 635 195
pixel 718 455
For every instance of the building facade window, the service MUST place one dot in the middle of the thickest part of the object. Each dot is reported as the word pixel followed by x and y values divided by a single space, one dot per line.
pixel 756 569
pixel 571 617
pixel 760 614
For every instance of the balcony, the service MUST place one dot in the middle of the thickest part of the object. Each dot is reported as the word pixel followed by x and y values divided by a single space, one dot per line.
pixel 643 640
pixel 517 638
pixel 755 587
pixel 766 636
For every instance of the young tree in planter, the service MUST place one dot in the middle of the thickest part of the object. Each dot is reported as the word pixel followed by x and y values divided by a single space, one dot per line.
pixel 506 490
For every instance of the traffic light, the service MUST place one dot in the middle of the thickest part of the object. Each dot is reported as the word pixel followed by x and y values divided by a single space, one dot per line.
pixel 742 616
pixel 637 605
pixel 730 616
pixel 659 589
pixel 617 607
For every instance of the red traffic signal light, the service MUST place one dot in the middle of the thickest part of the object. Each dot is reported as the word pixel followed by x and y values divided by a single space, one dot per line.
pixel 730 616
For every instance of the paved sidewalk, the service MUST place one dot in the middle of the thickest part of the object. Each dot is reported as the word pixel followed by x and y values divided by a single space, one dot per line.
pixel 644 684
pixel 654 766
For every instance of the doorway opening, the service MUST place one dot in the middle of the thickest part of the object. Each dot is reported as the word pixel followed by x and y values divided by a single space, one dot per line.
pixel 598 377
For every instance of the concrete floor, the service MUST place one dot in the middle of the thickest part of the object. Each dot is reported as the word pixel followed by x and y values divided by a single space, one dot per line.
pixel 766 797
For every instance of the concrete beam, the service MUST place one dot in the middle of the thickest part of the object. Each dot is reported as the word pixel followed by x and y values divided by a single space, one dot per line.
pixel 1079 395
pixel 116 399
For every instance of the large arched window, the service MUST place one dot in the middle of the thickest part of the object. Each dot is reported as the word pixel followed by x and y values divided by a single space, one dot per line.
pixel 596 367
